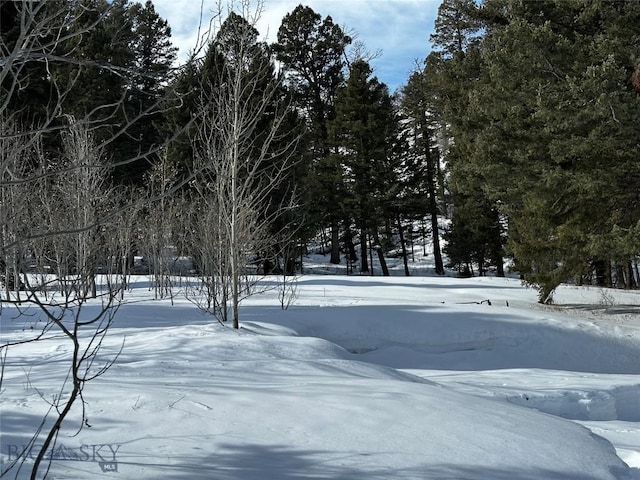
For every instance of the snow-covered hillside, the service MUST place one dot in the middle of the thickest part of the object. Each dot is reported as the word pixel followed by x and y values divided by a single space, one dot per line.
pixel 360 378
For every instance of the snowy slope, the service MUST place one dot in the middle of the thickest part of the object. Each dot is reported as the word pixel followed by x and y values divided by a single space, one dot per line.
pixel 361 378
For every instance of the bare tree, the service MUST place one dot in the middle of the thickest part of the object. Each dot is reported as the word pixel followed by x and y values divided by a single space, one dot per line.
pixel 159 226
pixel 73 200
pixel 59 215
pixel 244 148
pixel 13 203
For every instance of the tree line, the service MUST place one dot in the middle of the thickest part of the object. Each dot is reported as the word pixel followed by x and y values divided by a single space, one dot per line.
pixel 518 131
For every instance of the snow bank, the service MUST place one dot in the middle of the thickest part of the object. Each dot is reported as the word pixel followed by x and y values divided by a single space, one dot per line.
pixel 284 398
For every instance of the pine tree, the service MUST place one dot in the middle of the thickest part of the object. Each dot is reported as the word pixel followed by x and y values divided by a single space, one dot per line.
pixel 450 73
pixel 312 52
pixel 364 133
pixel 418 106
pixel 124 63
pixel 154 52
pixel 26 89
pixel 550 119
pixel 456 27
pixel 105 45
pixel 97 82
pixel 154 56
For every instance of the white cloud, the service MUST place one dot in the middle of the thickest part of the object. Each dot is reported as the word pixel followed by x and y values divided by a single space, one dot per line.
pixel 398 28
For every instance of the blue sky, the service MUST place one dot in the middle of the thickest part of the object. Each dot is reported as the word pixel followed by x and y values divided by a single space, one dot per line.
pixel 399 29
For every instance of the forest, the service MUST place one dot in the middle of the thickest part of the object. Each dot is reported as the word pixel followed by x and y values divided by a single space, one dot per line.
pixel 513 148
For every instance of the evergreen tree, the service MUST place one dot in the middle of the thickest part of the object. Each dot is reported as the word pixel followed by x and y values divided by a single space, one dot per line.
pixel 549 135
pixel 123 60
pixel 99 82
pixel 450 72
pixel 28 33
pixel 418 105
pixel 472 242
pixel 456 27
pixel 154 52
pixel 154 56
pixel 312 52
pixel 364 133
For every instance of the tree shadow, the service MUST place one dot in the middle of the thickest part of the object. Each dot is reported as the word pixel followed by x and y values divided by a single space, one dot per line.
pixel 72 455
pixel 162 315
pixel 409 283
pixel 281 462
pixel 462 472
pixel 618 309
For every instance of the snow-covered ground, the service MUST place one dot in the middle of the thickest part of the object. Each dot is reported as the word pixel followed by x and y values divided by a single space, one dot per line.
pixel 360 378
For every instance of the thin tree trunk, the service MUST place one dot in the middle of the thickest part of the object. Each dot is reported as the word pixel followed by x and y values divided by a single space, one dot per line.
pixel 49 441
pixel 608 274
pixel 16 274
pixel 364 265
pixel 323 236
pixel 348 239
pixel 435 234
pixel 94 288
pixel 499 267
pixel 411 242
pixel 379 251
pixel 631 281
pixel 372 270
pixel 433 204
pixel 424 238
pixel 335 243
pixel 6 280
pixel 405 260
pixel 621 281
pixel 387 231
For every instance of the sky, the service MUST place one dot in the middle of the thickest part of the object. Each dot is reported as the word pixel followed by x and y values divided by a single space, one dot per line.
pixel 398 29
